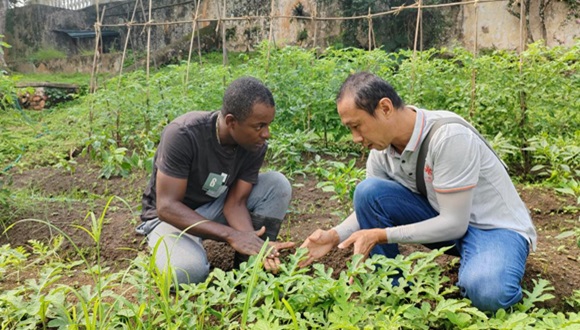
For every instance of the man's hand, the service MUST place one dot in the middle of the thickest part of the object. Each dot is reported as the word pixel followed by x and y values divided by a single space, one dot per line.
pixel 365 240
pixel 247 242
pixel 250 243
pixel 319 243
pixel 271 261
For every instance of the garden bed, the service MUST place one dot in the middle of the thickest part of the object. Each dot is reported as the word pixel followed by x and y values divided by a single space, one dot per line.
pixel 556 260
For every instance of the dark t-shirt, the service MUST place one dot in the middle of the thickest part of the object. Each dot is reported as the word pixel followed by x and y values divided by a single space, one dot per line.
pixel 189 150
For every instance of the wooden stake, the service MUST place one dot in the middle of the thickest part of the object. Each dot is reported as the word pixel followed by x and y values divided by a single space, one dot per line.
pixel 96 55
pixel 127 43
pixel 417 28
pixel 315 22
pixel 224 48
pixel 523 102
pixel 146 118
pixel 474 70
pixel 198 35
pixel 193 29
pixel 415 46
pixel 370 21
pixel 270 35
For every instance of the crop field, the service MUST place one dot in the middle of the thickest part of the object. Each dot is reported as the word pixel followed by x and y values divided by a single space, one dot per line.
pixel 72 177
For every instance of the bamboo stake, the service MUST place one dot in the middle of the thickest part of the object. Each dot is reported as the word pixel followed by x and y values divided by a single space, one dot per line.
pixel 415 45
pixel 270 35
pixel 129 26
pixel 96 55
pixel 474 70
pixel 198 35
pixel 417 28
pixel 148 48
pixel 143 14
pixel 193 28
pixel 370 22
pixel 92 85
pixel 523 105
pixel 315 23
pixel 224 48
pixel 147 122
pixel 421 33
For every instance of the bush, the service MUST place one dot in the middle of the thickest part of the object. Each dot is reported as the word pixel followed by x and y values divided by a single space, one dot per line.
pixel 46 55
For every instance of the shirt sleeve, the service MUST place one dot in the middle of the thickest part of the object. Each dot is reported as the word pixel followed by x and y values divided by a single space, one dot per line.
pixel 376 163
pixel 450 224
pixel 251 168
pixel 176 151
pixel 347 227
pixel 455 159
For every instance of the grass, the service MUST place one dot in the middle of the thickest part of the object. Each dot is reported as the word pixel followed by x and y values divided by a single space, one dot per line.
pixel 81 79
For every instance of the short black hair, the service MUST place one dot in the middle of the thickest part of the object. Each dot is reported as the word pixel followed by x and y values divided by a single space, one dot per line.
pixel 242 94
pixel 368 89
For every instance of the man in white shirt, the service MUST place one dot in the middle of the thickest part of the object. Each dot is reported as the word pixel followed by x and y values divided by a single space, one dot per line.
pixel 470 200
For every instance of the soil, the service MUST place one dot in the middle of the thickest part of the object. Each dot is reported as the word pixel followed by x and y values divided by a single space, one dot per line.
pixel 555 260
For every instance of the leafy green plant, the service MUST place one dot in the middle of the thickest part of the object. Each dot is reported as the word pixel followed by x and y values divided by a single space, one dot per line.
pixel 4 195
pixel 556 159
pixel 8 91
pixel 570 233
pixel 339 178
pixel 47 54
pixel 250 297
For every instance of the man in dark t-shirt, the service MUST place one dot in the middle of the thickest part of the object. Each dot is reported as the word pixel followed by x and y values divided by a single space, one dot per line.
pixel 206 184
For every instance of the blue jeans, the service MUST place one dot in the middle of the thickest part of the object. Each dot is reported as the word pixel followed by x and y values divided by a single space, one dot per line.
pixel 492 261
pixel 185 253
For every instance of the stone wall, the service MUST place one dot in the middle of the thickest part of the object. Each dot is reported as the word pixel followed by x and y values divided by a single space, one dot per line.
pixel 498 28
pixel 32 27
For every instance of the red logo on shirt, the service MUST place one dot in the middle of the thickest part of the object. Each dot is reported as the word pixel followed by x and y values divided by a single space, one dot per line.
pixel 428 173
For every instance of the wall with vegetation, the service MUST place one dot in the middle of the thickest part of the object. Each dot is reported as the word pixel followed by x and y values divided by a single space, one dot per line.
pixel 32 28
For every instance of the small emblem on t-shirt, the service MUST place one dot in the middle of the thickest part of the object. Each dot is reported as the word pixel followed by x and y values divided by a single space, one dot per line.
pixel 428 173
pixel 215 184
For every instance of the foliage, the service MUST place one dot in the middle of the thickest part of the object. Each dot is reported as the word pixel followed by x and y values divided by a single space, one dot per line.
pixel 7 91
pixel 528 111
pixel 46 54
pixel 296 298
pixel 121 132
pixel 556 159
pixel 340 178
pixel 80 79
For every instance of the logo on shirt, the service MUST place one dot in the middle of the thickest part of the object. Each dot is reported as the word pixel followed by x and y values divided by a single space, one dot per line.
pixel 428 173
pixel 215 184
